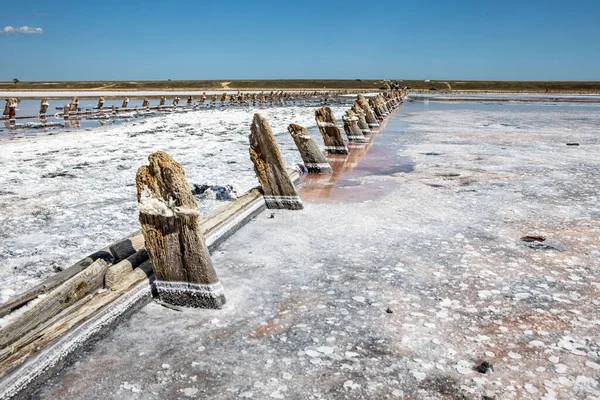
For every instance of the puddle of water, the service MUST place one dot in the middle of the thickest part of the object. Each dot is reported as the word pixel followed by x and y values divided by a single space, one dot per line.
pixel 378 157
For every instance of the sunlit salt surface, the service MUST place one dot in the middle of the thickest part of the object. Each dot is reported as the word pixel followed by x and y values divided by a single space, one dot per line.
pixel 65 195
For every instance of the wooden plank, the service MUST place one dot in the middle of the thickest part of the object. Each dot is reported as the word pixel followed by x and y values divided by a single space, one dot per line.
pixel 117 271
pixel 86 282
pixel 126 247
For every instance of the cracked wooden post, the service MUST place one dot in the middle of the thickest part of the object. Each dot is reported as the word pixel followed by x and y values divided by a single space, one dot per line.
pixel 125 102
pixel 66 111
pixel 190 101
pixel 334 143
pixel 100 103
pixel 74 104
pixel 176 246
pixel 369 114
pixel 313 159
pixel 146 103
pixel 351 128
pixel 278 189
pixel 175 101
pixel 163 99
pixel 44 106
pixel 374 106
pixel 362 122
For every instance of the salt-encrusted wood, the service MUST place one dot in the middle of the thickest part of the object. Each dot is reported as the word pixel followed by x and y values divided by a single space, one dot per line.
pixel 163 100
pixel 169 217
pixel 118 271
pixel 334 143
pixel 376 109
pixel 104 305
pixel 279 190
pixel 351 128
pixel 125 102
pixel 369 113
pixel 100 103
pixel 314 161
pixel 82 284
pixel 146 103
pixel 74 105
pixel 44 106
pixel 126 247
pixel 52 282
pixel 362 122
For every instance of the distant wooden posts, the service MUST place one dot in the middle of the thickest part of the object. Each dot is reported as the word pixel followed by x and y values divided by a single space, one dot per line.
pixel 369 114
pixel 44 106
pixel 10 108
pixel 163 100
pixel 351 128
pixel 278 189
pixel 125 102
pixel 380 116
pixel 314 161
pixel 146 103
pixel 66 109
pixel 100 103
pixel 362 122
pixel 334 143
pixel 74 106
pixel 176 101
pixel 169 217
pixel 223 99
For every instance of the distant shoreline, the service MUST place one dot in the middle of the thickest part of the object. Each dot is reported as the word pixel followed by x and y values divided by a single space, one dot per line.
pixel 357 85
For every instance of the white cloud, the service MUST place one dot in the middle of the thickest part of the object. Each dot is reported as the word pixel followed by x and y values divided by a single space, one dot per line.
pixel 25 30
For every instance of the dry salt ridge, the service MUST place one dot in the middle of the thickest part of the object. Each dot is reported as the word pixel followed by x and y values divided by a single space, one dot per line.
pixel 407 279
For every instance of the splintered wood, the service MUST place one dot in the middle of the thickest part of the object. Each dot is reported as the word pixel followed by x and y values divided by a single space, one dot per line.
pixel 279 190
pixel 176 247
pixel 334 143
pixel 314 161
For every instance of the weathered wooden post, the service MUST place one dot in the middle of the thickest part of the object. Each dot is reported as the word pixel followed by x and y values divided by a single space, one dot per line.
pixel 100 103
pixel 223 99
pixel 203 98
pixel 278 189
pixel 44 106
pixel 74 105
pixel 7 101
pixel 12 109
pixel 351 128
pixel 334 143
pixel 190 100
pixel 314 160
pixel 146 103
pixel 66 111
pixel 376 109
pixel 369 114
pixel 125 102
pixel 362 122
pixel 176 246
pixel 163 100
pixel 175 101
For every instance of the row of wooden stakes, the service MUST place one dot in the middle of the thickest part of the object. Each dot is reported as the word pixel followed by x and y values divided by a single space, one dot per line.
pixel 172 249
pixel 72 108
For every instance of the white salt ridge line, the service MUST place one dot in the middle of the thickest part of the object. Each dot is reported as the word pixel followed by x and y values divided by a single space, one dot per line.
pixel 209 290
pixel 335 148
pixel 35 368
pixel 317 165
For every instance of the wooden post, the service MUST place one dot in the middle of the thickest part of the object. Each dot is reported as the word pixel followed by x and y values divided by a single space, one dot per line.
pixel 163 99
pixel 125 102
pixel 223 99
pixel 376 109
pixel 369 114
pixel 11 108
pixel 146 103
pixel 334 143
pixel 351 128
pixel 7 100
pixel 66 111
pixel 278 188
pixel 44 106
pixel 74 104
pixel 314 160
pixel 100 103
pixel 176 247
pixel 362 122
pixel 190 100
pixel 176 101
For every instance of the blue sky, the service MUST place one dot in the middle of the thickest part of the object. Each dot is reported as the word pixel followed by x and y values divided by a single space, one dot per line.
pixel 451 39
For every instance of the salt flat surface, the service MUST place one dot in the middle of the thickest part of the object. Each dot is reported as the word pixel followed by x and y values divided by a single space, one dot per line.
pixel 64 196
pixel 401 294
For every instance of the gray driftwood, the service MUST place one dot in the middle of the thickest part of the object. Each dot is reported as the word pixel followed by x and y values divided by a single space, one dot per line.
pixel 117 271
pixel 314 161
pixel 169 217
pixel 279 190
pixel 86 282
pixel 334 143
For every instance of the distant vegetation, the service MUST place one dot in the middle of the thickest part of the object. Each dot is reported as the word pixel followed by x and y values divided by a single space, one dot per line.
pixel 368 84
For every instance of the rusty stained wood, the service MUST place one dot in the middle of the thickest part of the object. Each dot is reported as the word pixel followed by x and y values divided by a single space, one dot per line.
pixel 278 189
